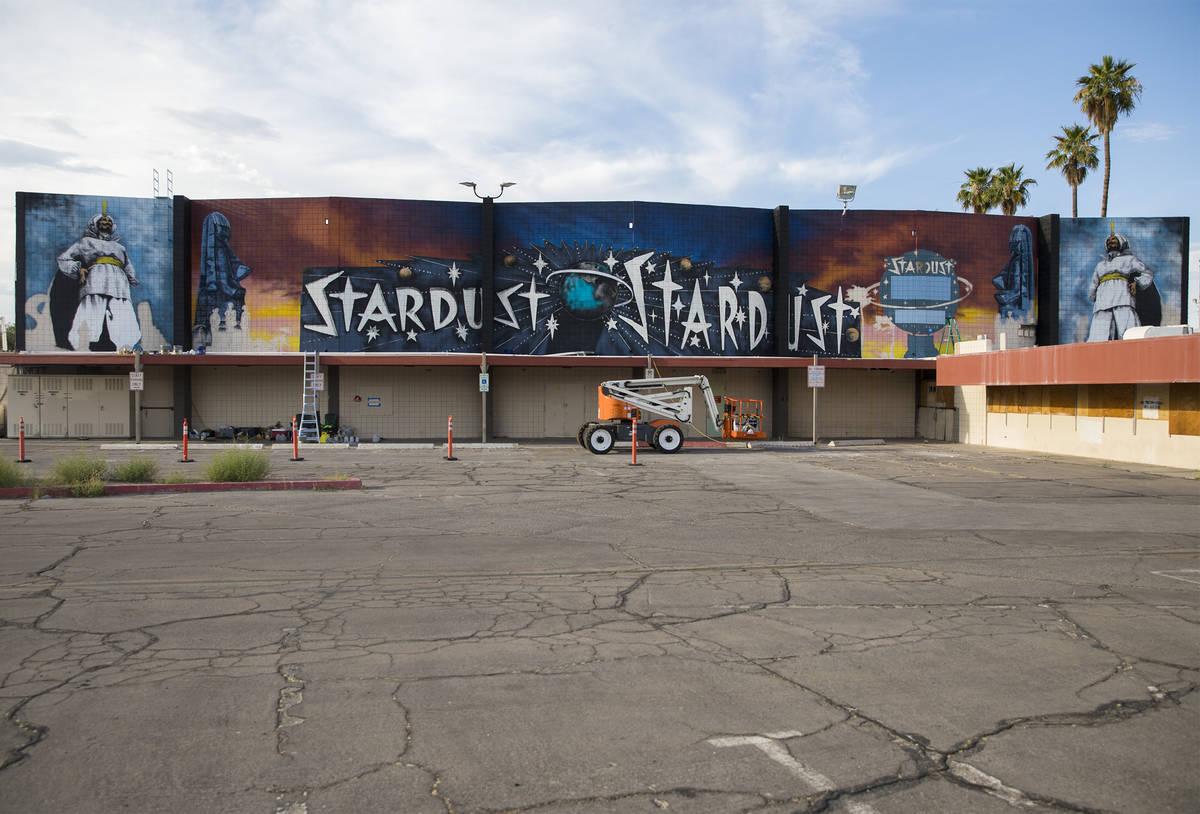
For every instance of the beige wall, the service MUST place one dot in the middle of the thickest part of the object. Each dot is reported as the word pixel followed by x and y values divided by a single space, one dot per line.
pixel 854 404
pixel 1143 436
pixel 158 403
pixel 547 402
pixel 410 403
pixel 246 396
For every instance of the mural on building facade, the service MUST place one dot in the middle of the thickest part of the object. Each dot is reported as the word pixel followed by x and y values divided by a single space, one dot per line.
pixel 609 278
pixel 220 293
pixel 417 304
pixel 911 282
pixel 1119 273
pixel 98 273
pixel 336 274
pixel 630 278
pixel 1015 292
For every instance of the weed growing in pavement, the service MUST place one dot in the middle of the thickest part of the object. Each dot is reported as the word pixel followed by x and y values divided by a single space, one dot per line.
pixel 78 468
pixel 176 477
pixel 135 470
pixel 239 465
pixel 10 474
pixel 90 487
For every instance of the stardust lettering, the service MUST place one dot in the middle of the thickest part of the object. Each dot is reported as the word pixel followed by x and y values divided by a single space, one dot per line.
pixel 401 308
pixel 904 265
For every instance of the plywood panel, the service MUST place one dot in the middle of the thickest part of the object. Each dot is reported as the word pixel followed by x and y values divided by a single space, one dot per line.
pixel 1185 408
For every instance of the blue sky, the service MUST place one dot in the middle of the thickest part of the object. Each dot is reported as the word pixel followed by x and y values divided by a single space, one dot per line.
pixel 751 104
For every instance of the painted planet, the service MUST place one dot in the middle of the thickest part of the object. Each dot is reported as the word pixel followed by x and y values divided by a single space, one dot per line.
pixel 588 296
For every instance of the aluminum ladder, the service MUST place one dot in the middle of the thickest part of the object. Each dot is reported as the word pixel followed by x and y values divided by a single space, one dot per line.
pixel 309 431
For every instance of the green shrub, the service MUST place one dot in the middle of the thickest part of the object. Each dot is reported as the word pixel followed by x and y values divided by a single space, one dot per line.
pixel 91 487
pixel 78 468
pixel 135 470
pixel 10 474
pixel 176 477
pixel 239 465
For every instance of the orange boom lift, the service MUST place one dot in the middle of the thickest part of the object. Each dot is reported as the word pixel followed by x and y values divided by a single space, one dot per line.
pixel 621 400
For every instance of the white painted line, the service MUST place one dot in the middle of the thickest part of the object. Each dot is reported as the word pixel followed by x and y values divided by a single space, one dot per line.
pixel 967 772
pixel 770 745
pixel 139 446
pixel 1193 572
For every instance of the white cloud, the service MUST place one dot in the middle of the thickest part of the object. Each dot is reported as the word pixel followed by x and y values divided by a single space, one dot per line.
pixel 1144 131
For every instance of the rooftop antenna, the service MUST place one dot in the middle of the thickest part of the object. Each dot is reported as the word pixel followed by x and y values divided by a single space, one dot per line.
pixel 845 194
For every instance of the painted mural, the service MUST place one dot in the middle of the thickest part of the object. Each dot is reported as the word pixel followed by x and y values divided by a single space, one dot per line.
pixel 335 274
pixel 98 273
pixel 609 278
pixel 1119 273
pixel 889 285
pixel 629 279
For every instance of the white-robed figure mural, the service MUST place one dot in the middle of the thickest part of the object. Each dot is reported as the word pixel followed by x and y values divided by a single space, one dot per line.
pixel 1114 287
pixel 101 265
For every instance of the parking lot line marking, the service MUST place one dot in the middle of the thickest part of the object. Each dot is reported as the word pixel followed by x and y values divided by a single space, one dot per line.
pixel 1194 572
pixel 769 744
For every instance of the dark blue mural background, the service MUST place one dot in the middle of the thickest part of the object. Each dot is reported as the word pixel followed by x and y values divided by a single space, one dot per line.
pixel 631 278
pixel 419 304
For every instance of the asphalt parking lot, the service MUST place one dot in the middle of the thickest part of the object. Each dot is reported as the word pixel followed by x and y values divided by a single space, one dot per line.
pixel 901 628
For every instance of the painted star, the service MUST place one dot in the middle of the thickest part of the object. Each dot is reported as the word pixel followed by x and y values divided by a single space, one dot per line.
pixel 611 324
pixel 453 272
pixel 802 290
pixel 654 316
pixel 706 279
pixel 372 333
pixel 541 264
pixel 695 343
pixel 677 307
pixel 461 330
pixel 412 336
pixel 610 261
pixel 739 317
pixel 736 281
pixel 552 325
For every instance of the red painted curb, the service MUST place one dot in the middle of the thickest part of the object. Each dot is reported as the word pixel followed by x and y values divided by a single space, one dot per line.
pixel 206 486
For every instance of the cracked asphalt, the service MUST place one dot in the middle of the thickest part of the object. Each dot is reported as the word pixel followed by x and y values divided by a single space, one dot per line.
pixel 906 628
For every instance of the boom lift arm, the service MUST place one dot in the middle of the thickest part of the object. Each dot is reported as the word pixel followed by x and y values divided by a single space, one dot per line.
pixel 620 400
pixel 668 397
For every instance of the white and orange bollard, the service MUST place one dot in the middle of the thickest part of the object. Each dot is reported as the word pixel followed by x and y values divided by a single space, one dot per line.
pixel 450 438
pixel 295 442
pixel 21 459
pixel 185 459
pixel 633 438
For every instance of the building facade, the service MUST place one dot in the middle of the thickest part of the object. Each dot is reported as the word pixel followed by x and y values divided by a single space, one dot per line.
pixel 405 302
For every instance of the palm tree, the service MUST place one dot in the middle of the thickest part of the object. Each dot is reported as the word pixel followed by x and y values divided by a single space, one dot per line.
pixel 1010 190
pixel 1074 154
pixel 976 192
pixel 1108 91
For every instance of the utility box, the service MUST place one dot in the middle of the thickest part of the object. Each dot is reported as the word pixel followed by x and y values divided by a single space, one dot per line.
pixel 69 406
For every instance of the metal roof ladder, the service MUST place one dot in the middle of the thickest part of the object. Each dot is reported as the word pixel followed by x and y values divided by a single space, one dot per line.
pixel 309 429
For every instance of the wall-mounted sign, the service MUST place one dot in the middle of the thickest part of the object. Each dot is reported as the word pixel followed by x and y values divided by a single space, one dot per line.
pixel 374 401
pixel 137 380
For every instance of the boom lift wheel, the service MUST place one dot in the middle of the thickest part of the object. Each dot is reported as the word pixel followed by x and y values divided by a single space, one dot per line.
pixel 668 438
pixel 600 440
pixel 581 436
